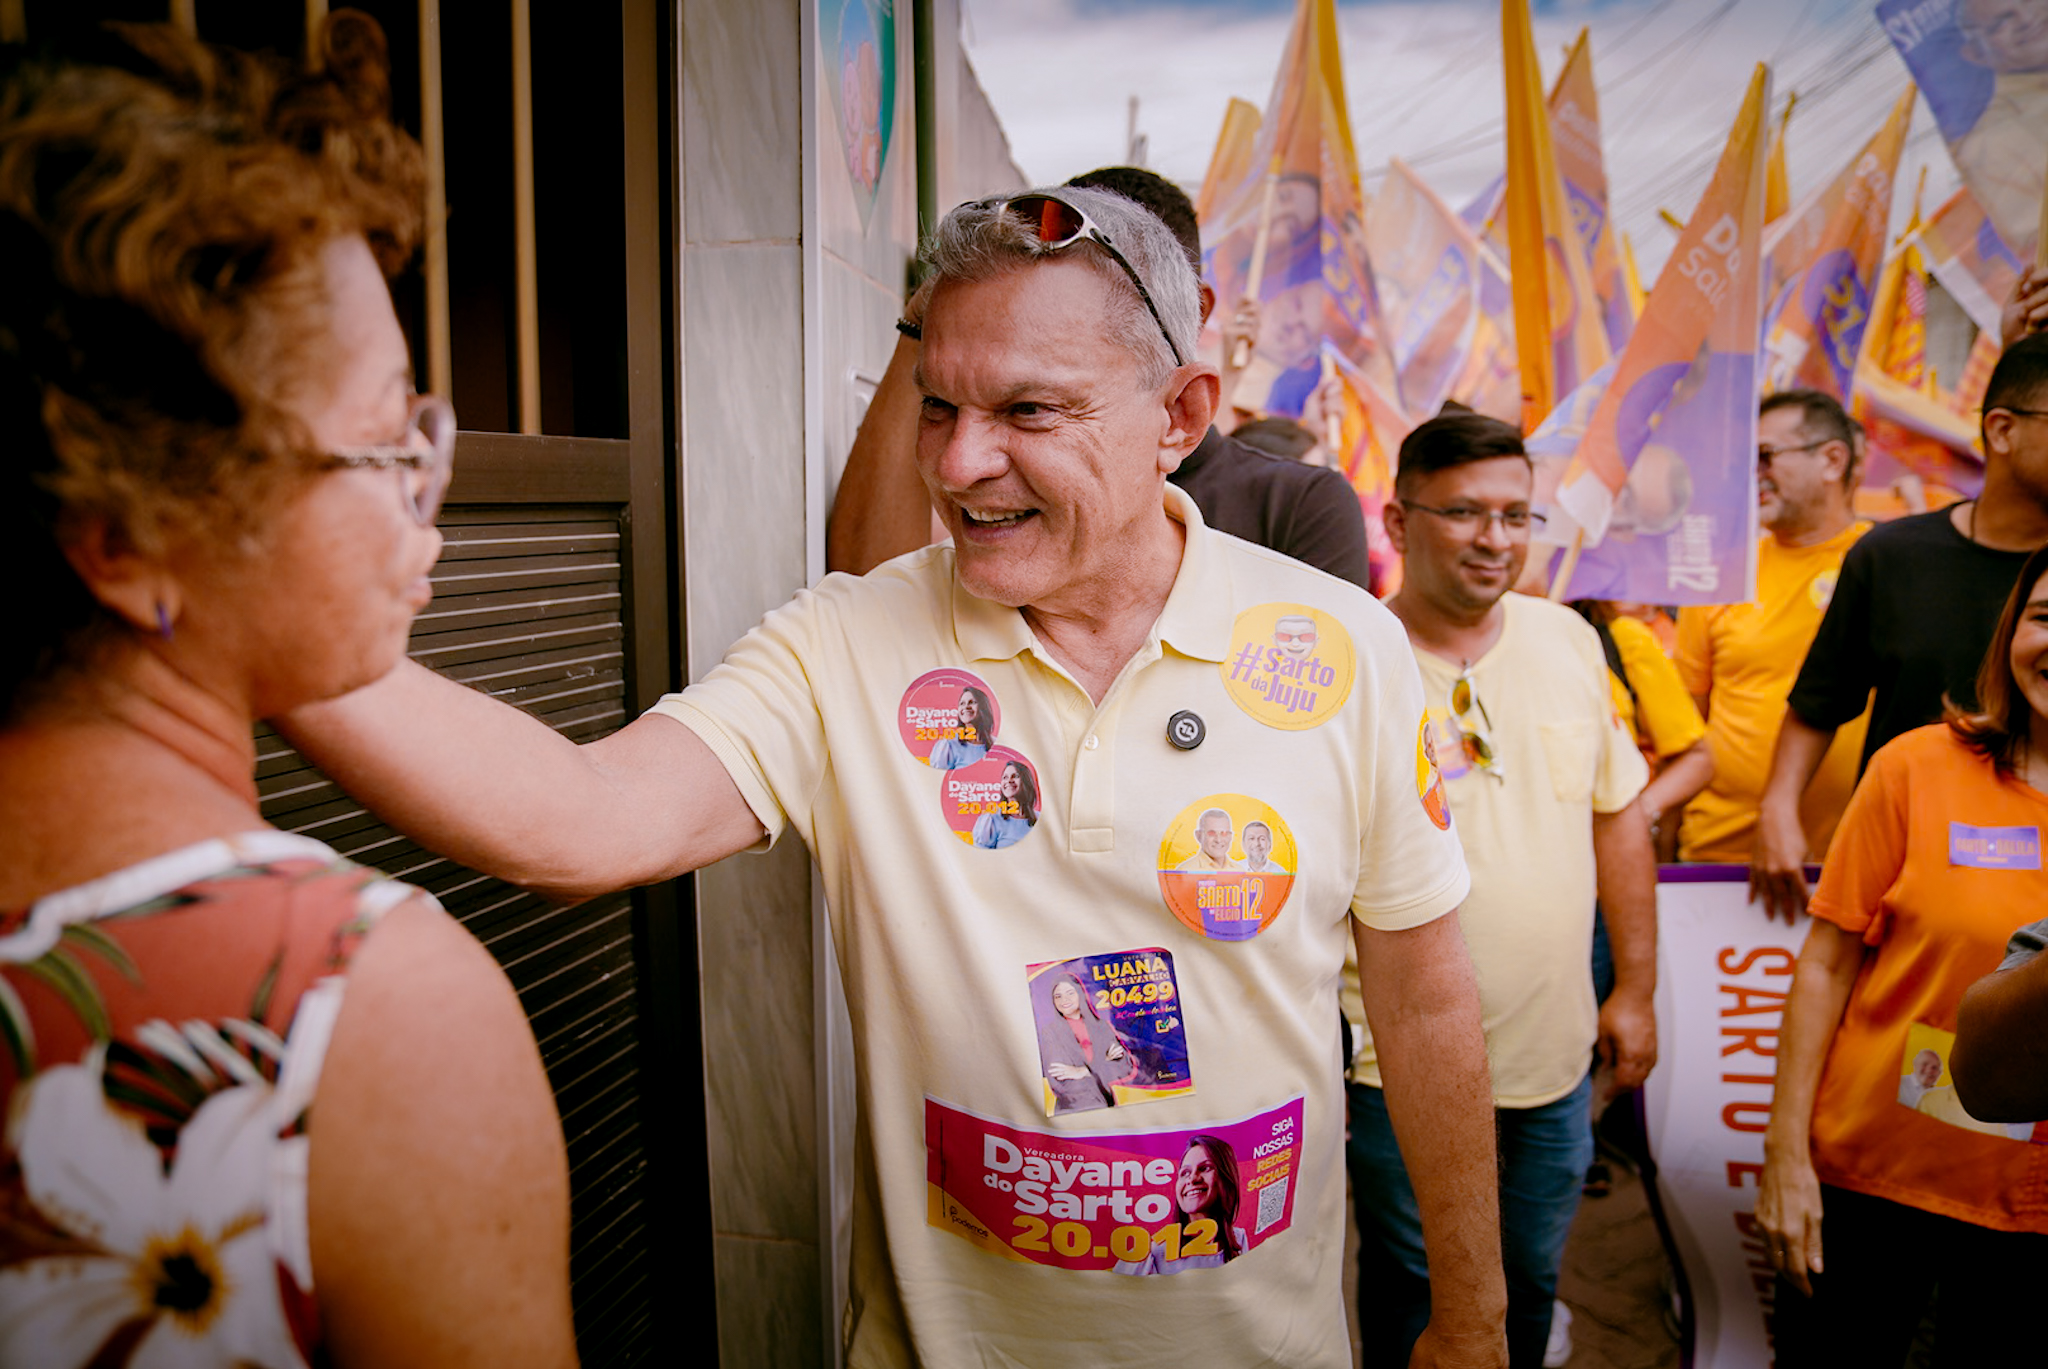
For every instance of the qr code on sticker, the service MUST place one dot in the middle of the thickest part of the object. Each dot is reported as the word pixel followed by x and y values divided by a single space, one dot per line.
pixel 1272 1204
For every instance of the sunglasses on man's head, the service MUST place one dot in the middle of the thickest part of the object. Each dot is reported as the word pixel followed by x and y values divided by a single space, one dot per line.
pixel 1057 224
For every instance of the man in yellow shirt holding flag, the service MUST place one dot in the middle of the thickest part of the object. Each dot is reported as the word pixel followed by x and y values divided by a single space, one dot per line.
pixel 1739 660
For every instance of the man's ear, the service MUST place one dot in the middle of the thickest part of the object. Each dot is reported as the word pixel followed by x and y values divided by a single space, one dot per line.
pixel 1208 302
pixel 1998 426
pixel 1191 400
pixel 132 586
pixel 1394 519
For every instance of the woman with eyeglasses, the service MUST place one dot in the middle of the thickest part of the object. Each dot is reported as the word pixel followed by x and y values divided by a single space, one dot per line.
pixel 1879 1187
pixel 262 1106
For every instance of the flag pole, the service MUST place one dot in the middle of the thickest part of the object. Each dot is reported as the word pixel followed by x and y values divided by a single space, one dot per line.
pixel 1241 350
pixel 1563 579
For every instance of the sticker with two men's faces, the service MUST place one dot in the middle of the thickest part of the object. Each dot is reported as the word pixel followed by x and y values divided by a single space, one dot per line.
pixel 1226 866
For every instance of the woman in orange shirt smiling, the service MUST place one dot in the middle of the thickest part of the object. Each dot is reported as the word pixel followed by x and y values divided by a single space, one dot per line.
pixel 1936 862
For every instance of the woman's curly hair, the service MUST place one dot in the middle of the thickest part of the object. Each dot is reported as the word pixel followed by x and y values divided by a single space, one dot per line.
pixel 162 207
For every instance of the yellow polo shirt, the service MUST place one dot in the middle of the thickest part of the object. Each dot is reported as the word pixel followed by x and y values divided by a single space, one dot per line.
pixel 1016 1167
pixel 1528 836
pixel 1744 658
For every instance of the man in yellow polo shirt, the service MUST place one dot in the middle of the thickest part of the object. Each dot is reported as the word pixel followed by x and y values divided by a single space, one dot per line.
pixel 1129 653
pixel 1739 660
pixel 1543 782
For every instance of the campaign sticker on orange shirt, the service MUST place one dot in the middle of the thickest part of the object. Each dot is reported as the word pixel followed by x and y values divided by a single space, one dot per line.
pixel 1821 589
pixel 1429 777
pixel 948 718
pixel 993 803
pixel 1289 666
pixel 1226 867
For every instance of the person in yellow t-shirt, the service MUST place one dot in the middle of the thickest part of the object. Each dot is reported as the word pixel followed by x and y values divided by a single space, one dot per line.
pixel 1739 660
pixel 1655 708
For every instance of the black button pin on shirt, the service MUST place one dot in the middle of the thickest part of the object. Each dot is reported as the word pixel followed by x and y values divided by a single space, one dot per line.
pixel 1185 730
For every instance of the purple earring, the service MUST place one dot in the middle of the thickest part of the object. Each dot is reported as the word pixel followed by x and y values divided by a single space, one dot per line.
pixel 163 621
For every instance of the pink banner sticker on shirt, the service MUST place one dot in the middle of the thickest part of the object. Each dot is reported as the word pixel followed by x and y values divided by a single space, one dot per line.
pixel 1226 866
pixel 1110 1031
pixel 1136 1203
pixel 992 803
pixel 949 718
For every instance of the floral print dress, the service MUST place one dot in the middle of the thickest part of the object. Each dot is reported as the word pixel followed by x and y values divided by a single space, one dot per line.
pixel 162 1031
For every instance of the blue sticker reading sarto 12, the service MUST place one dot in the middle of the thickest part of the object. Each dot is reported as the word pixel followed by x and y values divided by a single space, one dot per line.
pixel 1994 848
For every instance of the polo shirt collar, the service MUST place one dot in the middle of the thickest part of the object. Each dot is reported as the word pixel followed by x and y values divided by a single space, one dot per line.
pixel 1196 621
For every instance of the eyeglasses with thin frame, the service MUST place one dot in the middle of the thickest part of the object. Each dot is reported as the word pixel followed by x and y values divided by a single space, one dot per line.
pixel 1475 729
pixel 1057 224
pixel 2021 413
pixel 1472 521
pixel 425 460
pixel 1766 455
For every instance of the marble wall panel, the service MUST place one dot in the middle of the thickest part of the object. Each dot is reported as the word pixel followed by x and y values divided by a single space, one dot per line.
pixel 742 122
pixel 767 1333
pixel 743 454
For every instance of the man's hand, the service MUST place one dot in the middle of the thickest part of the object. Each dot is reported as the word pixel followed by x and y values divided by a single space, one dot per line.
pixel 1777 866
pixel 1628 1037
pixel 2026 311
pixel 1450 1351
pixel 1240 334
pixel 1066 1073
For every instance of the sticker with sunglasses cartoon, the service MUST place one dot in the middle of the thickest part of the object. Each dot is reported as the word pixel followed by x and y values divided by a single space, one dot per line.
pixel 1226 866
pixel 948 718
pixel 993 803
pixel 1289 666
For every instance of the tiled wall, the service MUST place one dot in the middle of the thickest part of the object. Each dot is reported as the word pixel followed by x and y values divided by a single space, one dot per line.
pixel 744 542
pixel 789 295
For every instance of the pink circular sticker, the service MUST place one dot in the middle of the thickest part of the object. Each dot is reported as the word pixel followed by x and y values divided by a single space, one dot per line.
pixel 992 803
pixel 949 718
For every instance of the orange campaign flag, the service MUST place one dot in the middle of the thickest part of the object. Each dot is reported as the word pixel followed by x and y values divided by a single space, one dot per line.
pixel 1559 334
pixel 1575 133
pixel 1231 162
pixel 1662 484
pixel 1914 435
pixel 1970 259
pixel 1426 265
pixel 1824 257
pixel 1315 282
pixel 1778 184
pixel 1302 202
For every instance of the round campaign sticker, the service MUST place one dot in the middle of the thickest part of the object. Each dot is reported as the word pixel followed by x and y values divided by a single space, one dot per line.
pixel 1822 589
pixel 992 803
pixel 949 718
pixel 1226 867
pixel 1289 666
pixel 1429 778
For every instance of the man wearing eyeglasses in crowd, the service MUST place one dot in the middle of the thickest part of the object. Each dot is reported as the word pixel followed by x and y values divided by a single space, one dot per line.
pixel 1912 614
pixel 1543 782
pixel 1739 660
pixel 1104 618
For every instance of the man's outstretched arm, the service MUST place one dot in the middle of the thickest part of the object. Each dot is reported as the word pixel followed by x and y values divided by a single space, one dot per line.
pixel 487 785
pixel 2000 1061
pixel 1422 1004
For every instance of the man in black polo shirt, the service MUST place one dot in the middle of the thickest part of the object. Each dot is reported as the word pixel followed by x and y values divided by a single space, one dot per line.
pixel 1912 615
pixel 1308 512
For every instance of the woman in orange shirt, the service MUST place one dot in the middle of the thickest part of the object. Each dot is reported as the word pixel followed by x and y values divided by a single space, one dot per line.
pixel 1936 862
